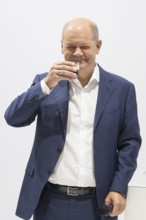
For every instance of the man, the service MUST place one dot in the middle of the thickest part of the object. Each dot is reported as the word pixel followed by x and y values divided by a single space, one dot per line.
pixel 87 135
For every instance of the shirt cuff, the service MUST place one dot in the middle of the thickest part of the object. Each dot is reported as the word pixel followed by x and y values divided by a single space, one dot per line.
pixel 46 90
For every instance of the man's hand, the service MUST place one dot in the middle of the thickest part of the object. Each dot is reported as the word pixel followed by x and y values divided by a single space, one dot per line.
pixel 118 201
pixel 64 70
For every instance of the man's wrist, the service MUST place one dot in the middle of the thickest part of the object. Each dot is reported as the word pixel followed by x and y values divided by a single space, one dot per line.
pixel 122 194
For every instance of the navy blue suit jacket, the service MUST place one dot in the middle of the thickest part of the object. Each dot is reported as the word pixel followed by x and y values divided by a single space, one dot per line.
pixel 116 136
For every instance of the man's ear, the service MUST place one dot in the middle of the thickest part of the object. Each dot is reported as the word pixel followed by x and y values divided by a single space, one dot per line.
pixel 98 45
pixel 62 47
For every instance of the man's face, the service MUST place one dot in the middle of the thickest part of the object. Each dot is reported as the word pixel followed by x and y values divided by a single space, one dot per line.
pixel 78 46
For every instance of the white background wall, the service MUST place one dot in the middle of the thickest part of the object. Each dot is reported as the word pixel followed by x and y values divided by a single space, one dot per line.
pixel 30 33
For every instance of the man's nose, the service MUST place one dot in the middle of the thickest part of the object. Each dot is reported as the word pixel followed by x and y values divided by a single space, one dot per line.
pixel 78 51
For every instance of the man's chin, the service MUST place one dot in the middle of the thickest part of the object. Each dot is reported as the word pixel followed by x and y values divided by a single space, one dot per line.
pixel 83 65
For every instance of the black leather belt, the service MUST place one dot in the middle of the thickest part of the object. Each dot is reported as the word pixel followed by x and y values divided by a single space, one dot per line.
pixel 72 190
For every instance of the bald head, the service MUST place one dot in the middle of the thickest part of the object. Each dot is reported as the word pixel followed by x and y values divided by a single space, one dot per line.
pixel 81 24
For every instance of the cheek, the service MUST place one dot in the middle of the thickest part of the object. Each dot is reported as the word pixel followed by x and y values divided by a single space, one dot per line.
pixel 67 55
pixel 92 56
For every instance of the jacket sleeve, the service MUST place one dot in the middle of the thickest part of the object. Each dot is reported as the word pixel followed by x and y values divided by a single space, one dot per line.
pixel 23 109
pixel 128 145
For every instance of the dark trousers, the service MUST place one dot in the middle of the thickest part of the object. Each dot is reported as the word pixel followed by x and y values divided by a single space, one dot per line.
pixel 57 206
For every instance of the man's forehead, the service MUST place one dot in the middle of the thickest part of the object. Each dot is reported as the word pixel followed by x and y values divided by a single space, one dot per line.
pixel 77 36
pixel 76 43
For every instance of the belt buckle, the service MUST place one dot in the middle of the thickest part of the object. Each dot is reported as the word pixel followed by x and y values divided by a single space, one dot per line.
pixel 72 191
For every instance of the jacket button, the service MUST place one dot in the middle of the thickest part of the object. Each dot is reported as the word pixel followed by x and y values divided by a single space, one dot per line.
pixel 49 172
pixel 59 151
pixel 36 98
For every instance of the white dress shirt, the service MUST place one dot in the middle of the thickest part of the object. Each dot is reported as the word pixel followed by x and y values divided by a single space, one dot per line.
pixel 75 166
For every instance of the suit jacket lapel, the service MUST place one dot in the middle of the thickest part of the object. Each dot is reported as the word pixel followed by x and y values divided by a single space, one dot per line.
pixel 105 91
pixel 62 98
